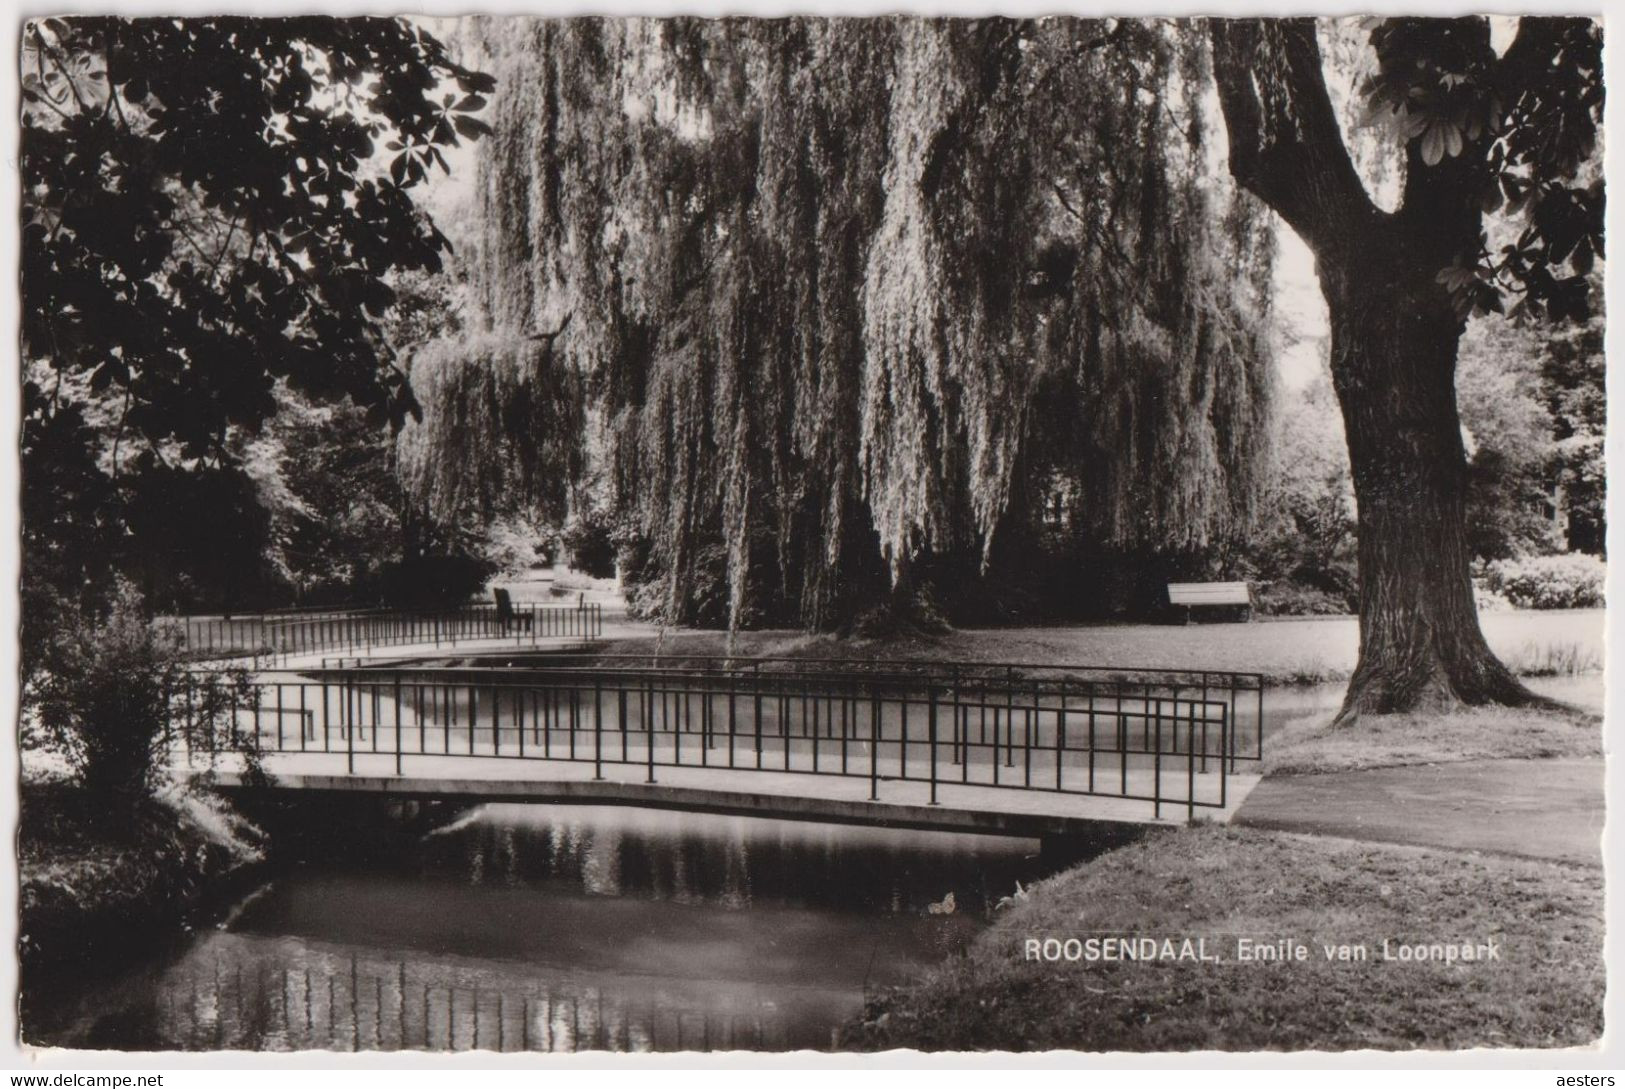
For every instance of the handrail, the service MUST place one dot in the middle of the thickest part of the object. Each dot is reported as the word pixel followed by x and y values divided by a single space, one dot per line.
pixel 1079 738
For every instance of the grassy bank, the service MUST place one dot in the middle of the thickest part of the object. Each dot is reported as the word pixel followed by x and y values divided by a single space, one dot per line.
pixel 1223 884
pixel 1303 651
pixel 1311 745
pixel 86 883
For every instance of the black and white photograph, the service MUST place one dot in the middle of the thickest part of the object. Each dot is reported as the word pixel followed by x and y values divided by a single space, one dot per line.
pixel 784 533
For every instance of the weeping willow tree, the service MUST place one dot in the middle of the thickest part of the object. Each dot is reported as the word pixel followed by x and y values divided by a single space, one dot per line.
pixel 841 300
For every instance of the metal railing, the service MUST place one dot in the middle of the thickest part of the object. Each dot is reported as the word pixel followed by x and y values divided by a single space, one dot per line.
pixel 984 729
pixel 1241 693
pixel 273 637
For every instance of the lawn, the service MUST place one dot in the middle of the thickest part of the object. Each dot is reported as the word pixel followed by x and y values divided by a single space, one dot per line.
pixel 1222 884
pixel 1285 651
pixel 1310 744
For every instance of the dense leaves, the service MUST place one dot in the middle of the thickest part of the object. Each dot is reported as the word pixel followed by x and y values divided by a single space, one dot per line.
pixel 203 211
pixel 215 214
pixel 1523 126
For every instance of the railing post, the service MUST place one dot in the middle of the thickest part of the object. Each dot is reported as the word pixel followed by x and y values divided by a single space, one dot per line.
pixel 931 723
pixel 546 721
pixel 757 684
pixel 1156 769
pixel 874 752
pixel 519 718
pixel 676 712
pixel 1122 742
pixel 875 719
pixel 598 728
pixel 1029 728
pixel 398 743
pixel 1060 735
pixel 1009 716
pixel 1204 723
pixel 1091 685
pixel 902 740
pixel 705 722
pixel 349 733
pixel 1190 762
pixel 1259 722
pixel 649 714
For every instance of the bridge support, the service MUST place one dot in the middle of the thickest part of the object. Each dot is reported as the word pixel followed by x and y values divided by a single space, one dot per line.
pixel 334 825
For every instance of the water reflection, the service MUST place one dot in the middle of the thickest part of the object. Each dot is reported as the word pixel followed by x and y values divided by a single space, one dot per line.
pixel 559 929
pixel 237 991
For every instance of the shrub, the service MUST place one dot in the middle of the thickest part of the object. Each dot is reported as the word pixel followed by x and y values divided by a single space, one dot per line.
pixel 102 699
pixel 589 541
pixel 114 691
pixel 1289 598
pixel 1572 580
pixel 434 581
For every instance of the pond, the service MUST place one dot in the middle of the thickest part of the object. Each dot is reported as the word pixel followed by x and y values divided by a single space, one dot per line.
pixel 560 929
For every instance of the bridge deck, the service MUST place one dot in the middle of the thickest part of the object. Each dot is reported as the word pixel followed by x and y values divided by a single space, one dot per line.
pixel 785 795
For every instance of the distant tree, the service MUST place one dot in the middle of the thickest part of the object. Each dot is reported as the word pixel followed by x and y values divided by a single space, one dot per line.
pixel 1479 131
pixel 1306 536
pixel 1510 438
pixel 1574 385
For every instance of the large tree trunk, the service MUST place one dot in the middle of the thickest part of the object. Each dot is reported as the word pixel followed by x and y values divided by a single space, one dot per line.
pixel 1394 339
pixel 1394 343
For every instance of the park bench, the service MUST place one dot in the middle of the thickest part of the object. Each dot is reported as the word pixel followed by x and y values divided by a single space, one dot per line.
pixel 1234 597
pixel 505 614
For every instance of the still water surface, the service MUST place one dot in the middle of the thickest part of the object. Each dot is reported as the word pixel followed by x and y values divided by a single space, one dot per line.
pixel 562 929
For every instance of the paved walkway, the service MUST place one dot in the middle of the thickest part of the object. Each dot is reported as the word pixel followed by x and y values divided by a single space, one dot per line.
pixel 1547 809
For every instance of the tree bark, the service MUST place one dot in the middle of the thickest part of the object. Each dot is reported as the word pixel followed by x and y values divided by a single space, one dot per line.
pixel 1394 345
pixel 1394 341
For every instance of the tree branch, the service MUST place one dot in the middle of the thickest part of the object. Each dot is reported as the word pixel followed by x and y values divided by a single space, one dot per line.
pixel 1534 47
pixel 1285 145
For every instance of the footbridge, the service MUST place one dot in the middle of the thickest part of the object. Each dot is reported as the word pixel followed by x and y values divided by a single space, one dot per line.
pixel 303 637
pixel 1031 750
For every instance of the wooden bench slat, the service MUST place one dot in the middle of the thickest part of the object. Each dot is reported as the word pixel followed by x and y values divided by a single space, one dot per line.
pixel 1209 593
